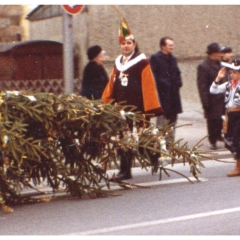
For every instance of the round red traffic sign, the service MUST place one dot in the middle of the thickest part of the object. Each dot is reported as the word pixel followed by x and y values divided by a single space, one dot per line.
pixel 73 9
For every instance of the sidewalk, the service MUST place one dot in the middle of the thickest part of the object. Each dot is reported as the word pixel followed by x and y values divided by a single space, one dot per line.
pixel 193 114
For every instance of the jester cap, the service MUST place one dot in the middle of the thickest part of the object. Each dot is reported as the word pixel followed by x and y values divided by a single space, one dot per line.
pixel 124 32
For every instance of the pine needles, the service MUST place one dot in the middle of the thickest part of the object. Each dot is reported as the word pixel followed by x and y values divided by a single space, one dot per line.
pixel 69 142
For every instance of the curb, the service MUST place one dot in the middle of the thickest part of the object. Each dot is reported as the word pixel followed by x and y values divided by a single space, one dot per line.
pixel 46 192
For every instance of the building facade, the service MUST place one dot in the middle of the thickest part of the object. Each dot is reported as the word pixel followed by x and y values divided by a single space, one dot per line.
pixel 193 27
pixel 13 25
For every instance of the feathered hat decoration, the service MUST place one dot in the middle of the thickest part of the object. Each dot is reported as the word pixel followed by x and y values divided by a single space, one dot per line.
pixel 124 30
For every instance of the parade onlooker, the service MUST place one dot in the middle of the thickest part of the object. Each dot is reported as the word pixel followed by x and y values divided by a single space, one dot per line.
pixel 213 105
pixel 131 81
pixel 168 79
pixel 232 104
pixel 227 54
pixel 95 77
pixel 226 57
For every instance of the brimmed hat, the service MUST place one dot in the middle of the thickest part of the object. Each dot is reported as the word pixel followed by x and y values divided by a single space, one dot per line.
pixel 125 32
pixel 226 49
pixel 234 65
pixel 93 51
pixel 213 48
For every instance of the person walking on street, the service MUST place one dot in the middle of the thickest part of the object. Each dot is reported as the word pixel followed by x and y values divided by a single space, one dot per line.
pixel 132 82
pixel 95 77
pixel 232 103
pixel 213 105
pixel 168 79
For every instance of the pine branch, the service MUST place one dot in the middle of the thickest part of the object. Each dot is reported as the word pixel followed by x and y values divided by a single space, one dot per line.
pixel 70 141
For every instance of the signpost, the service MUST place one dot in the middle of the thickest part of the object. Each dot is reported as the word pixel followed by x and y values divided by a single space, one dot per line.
pixel 68 62
pixel 73 9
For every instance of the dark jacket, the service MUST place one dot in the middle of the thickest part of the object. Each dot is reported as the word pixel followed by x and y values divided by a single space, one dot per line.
pixel 168 79
pixel 95 79
pixel 140 90
pixel 213 104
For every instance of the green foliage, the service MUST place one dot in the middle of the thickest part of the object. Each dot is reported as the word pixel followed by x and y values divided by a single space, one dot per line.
pixel 70 142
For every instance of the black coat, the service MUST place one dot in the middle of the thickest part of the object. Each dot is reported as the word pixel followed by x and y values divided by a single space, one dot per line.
pixel 95 79
pixel 133 83
pixel 168 79
pixel 213 104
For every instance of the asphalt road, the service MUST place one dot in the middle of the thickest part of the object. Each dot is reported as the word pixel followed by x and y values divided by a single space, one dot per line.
pixel 172 206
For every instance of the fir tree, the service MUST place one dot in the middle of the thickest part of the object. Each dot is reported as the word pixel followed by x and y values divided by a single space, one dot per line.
pixel 70 142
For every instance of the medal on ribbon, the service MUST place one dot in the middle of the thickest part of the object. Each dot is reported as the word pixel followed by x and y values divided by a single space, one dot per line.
pixel 123 78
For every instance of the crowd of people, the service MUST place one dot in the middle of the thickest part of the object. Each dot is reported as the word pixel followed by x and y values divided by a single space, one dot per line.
pixel 153 86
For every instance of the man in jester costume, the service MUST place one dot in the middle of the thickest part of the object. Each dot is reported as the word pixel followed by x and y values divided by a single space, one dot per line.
pixel 131 81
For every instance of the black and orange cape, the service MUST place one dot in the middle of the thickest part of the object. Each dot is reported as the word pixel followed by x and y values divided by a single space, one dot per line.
pixel 140 89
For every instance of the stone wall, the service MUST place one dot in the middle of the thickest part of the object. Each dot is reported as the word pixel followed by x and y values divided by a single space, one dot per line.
pixel 193 27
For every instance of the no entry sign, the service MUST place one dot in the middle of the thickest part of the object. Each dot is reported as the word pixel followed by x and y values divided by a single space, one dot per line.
pixel 73 9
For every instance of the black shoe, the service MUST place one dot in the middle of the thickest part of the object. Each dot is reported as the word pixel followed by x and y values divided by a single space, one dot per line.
pixel 213 147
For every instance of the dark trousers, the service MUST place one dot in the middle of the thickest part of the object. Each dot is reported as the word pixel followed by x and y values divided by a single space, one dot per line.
pixel 233 134
pixel 126 159
pixel 172 118
pixel 214 127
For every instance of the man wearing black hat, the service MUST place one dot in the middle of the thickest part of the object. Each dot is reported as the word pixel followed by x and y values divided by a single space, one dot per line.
pixel 95 77
pixel 213 105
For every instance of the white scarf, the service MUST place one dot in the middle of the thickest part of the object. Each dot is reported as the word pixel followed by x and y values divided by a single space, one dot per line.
pixel 128 64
